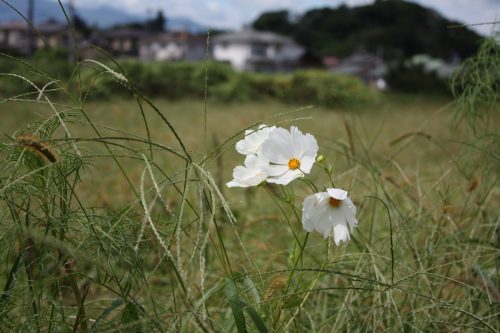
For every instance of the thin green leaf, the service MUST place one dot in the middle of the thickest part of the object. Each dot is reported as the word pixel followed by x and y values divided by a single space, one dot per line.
pixel 116 303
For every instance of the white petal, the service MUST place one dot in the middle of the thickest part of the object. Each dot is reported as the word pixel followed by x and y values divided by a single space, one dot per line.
pixel 241 172
pixel 350 205
pixel 297 138
pixel 337 193
pixel 268 129
pixel 310 146
pixel 253 140
pixel 278 148
pixel 234 183
pixel 251 174
pixel 318 215
pixel 325 222
pixel 276 170
pixel 340 233
pixel 251 161
pixel 255 162
pixel 244 147
pixel 255 180
pixel 287 177
pixel 306 164
pixel 308 212
pixel 349 213
pixel 353 222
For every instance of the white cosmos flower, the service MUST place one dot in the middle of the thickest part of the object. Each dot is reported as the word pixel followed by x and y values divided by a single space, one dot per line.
pixel 252 174
pixel 291 153
pixel 329 211
pixel 253 140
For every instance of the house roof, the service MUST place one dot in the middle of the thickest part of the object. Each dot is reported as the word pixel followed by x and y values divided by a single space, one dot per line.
pixel 125 33
pixel 51 27
pixel 172 37
pixel 46 27
pixel 359 63
pixel 252 36
pixel 14 25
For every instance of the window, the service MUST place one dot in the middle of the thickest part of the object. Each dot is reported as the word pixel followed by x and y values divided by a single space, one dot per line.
pixel 259 50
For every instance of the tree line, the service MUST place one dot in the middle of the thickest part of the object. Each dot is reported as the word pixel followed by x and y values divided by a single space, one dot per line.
pixel 394 29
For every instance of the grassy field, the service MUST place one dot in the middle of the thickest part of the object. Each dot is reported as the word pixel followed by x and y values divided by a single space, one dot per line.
pixel 372 128
pixel 424 258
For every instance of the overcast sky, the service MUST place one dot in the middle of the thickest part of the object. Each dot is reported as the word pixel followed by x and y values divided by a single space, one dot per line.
pixel 235 13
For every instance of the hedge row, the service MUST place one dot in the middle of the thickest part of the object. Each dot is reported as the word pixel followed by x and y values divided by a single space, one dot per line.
pixel 179 80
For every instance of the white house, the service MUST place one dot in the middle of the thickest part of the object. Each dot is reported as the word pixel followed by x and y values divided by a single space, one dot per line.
pixel 256 50
pixel 173 46
pixel 367 66
pixel 443 69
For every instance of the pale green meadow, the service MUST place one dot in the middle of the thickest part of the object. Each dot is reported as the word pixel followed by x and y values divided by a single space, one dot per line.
pixel 133 228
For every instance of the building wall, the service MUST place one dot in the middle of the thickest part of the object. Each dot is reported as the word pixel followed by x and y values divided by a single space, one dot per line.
pixel 170 51
pixel 235 54
pixel 253 56
pixel 13 37
pixel 289 53
pixel 196 52
pixel 160 51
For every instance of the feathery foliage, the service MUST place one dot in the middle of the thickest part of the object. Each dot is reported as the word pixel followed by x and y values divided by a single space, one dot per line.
pixel 183 254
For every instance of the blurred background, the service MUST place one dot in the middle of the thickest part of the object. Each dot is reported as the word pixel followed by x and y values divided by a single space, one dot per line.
pixel 110 107
pixel 398 45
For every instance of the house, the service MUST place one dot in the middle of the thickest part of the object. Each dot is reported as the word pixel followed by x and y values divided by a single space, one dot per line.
pixel 171 46
pixel 55 35
pixel 120 42
pixel 251 50
pixel 368 67
pixel 443 69
pixel 15 36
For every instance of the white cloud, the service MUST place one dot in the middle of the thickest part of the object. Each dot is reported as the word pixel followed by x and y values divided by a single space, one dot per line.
pixel 468 12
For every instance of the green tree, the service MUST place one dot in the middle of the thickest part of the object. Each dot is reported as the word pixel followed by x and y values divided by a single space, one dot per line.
pixel 157 23
pixel 277 21
pixel 398 28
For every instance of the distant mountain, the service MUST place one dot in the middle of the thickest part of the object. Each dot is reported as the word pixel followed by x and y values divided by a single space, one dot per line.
pixel 183 23
pixel 106 16
pixel 103 16
pixel 44 10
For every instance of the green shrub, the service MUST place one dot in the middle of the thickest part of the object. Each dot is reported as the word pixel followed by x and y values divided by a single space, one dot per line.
pixel 324 88
pixel 416 79
pixel 301 87
pixel 242 87
pixel 51 65
pixel 178 80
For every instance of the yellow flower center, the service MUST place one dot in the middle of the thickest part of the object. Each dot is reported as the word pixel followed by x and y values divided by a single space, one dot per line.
pixel 334 203
pixel 293 164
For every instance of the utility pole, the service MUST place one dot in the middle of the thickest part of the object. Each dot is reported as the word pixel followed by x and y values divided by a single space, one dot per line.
pixel 31 19
pixel 71 31
pixel 71 10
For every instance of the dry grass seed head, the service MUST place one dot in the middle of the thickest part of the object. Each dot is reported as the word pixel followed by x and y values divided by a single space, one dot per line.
pixel 473 184
pixel 277 284
pixel 42 150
